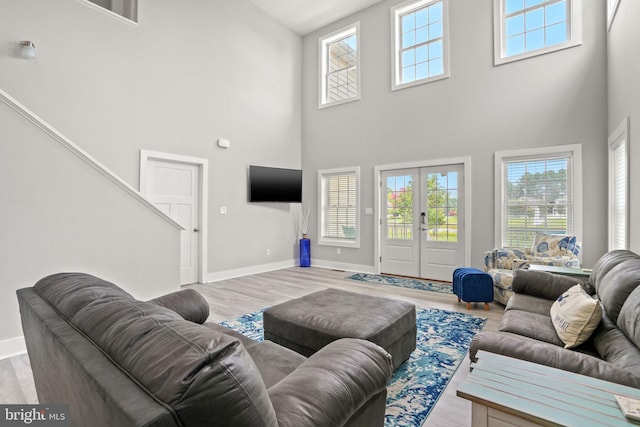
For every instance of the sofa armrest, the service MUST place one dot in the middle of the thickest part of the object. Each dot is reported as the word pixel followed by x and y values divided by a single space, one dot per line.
pixel 329 387
pixel 502 258
pixel 188 303
pixel 543 353
pixel 541 284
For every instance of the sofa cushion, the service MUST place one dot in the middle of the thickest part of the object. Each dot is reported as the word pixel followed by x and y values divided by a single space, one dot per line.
pixel 541 284
pixel 531 325
pixel 203 375
pixel 615 283
pixel 69 292
pixel 614 346
pixel 551 245
pixel 575 315
pixel 530 303
pixel 629 318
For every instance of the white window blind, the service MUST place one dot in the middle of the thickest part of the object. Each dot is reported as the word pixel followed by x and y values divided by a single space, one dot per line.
pixel 339 207
pixel 619 188
pixel 538 197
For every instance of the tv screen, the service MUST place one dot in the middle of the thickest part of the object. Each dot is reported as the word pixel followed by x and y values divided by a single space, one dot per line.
pixel 275 185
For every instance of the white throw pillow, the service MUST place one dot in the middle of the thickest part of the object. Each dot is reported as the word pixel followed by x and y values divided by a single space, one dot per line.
pixel 575 315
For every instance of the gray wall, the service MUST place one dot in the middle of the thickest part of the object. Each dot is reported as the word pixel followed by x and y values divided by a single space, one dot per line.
pixel 177 81
pixel 624 95
pixel 184 76
pixel 60 214
pixel 554 99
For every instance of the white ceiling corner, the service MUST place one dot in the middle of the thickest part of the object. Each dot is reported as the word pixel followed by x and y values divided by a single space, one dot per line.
pixel 306 16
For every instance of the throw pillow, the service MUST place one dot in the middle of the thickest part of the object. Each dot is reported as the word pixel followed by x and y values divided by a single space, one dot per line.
pixel 575 315
pixel 548 245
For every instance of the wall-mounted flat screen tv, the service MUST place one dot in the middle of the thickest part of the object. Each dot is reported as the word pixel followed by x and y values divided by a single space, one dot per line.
pixel 275 185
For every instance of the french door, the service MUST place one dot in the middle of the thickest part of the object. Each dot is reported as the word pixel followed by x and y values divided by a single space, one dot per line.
pixel 422 221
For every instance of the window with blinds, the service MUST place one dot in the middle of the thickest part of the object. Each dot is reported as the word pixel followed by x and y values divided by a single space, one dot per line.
pixel 340 67
pixel 618 190
pixel 339 207
pixel 537 196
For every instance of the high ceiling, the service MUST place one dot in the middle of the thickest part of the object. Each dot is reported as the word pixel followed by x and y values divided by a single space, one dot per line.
pixel 305 16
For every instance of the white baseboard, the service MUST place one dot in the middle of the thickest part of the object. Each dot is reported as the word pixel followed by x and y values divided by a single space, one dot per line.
pixel 12 347
pixel 263 268
pixel 246 271
pixel 356 268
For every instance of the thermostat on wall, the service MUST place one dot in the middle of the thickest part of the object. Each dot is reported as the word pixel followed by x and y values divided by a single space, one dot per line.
pixel 223 143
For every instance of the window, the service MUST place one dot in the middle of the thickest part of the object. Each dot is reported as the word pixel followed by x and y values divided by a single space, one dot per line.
pixel 526 28
pixel 612 8
pixel 340 67
pixel 125 8
pixel 538 191
pixel 339 201
pixel 619 187
pixel 420 42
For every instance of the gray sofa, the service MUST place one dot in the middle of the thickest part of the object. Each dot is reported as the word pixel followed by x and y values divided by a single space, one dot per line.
pixel 612 352
pixel 117 361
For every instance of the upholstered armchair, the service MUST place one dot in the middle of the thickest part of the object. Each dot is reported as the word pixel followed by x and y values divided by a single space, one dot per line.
pixel 547 249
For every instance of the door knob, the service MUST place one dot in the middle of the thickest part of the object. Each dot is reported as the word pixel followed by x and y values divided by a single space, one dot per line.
pixel 195 230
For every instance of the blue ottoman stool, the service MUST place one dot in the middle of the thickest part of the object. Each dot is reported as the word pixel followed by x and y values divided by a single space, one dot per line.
pixel 473 285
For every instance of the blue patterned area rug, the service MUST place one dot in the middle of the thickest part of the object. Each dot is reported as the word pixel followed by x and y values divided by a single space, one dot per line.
pixel 443 340
pixel 403 282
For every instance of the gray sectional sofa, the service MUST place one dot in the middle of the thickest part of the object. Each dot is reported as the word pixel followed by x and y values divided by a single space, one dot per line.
pixel 612 352
pixel 117 361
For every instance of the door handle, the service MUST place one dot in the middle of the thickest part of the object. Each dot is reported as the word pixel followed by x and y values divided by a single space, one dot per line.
pixel 195 230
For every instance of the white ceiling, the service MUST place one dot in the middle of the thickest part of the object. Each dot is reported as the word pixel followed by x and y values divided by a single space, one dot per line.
pixel 305 16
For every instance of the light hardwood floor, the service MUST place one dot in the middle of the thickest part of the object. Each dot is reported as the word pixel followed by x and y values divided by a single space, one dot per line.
pixel 234 297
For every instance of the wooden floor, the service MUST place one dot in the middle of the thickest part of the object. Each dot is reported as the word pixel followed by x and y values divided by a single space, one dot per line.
pixel 234 297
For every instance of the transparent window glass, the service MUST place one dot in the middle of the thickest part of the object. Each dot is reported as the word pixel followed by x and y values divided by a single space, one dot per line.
pixel 442 207
pixel 400 207
pixel 534 24
pixel 421 49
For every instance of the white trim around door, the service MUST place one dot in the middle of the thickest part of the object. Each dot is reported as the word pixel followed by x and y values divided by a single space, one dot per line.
pixel 380 191
pixel 203 190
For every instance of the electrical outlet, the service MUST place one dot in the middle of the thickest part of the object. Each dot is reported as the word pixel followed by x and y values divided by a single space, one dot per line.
pixel 338 251
pixel 268 251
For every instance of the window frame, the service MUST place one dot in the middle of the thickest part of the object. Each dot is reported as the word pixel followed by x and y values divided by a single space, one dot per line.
pixel 618 137
pixel 612 9
pixel 323 174
pixel 575 174
pixel 323 48
pixel 574 22
pixel 396 13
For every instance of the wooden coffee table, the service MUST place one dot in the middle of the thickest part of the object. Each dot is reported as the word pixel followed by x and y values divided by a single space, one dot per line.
pixel 511 392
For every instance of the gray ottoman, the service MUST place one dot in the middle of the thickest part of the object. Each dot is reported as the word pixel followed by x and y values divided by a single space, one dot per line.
pixel 309 323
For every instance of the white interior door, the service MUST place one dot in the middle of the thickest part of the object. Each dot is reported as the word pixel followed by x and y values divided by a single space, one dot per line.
pixel 173 188
pixel 442 221
pixel 422 221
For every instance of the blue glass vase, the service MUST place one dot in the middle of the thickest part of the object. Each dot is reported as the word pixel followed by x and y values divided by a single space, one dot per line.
pixel 305 252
